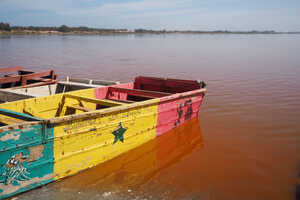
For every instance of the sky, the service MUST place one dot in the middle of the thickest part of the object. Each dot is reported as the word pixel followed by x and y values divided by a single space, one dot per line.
pixel 278 15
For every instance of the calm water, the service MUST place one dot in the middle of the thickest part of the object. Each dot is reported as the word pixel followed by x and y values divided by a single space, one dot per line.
pixel 246 143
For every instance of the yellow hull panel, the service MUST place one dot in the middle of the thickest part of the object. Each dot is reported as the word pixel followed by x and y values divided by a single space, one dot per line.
pixel 84 143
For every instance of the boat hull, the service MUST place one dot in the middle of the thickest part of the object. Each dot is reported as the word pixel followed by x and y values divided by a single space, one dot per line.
pixel 69 144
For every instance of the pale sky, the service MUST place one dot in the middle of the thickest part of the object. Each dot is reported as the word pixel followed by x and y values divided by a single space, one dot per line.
pixel 279 15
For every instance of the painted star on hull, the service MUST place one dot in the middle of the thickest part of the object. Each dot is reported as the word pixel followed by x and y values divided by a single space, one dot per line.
pixel 119 133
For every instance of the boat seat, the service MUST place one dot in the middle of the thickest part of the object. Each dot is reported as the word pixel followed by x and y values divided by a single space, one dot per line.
pixel 102 102
pixel 42 79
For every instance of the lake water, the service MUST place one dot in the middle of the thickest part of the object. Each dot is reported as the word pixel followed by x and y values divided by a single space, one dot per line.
pixel 246 143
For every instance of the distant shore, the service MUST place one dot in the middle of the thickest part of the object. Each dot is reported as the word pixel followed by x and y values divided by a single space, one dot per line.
pixel 30 32
pixel 6 29
pixel 33 32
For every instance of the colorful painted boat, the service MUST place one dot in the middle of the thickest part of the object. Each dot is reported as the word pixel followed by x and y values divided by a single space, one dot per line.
pixel 16 77
pixel 70 84
pixel 48 138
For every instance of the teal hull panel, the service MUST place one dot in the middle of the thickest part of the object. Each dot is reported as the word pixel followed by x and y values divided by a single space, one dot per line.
pixel 26 159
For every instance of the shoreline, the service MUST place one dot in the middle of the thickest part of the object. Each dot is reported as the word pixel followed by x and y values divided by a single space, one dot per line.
pixel 30 32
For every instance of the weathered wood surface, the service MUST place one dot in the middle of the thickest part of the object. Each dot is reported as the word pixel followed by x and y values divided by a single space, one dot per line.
pixel 21 78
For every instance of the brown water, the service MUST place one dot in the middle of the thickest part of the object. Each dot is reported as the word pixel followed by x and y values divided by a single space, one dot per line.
pixel 249 141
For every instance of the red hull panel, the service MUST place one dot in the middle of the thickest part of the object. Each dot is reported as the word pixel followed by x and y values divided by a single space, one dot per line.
pixel 175 112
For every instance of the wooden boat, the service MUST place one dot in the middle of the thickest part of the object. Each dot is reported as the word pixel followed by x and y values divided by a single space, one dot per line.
pixel 48 138
pixel 16 77
pixel 70 84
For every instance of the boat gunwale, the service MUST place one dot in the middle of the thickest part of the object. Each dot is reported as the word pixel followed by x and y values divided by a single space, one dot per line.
pixel 120 108
pixel 22 125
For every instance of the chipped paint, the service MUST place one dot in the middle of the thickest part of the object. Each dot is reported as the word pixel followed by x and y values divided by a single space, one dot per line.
pixel 8 189
pixel 10 136
pixel 36 152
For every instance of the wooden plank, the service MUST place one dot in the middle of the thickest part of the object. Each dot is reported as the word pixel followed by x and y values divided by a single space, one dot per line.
pixel 27 77
pixel 81 85
pixel 80 108
pixel 36 84
pixel 10 69
pixel 42 79
pixel 140 93
pixel 103 102
pixel 12 79
pixel 60 106
pixel 10 75
pixel 91 81
pixel 155 79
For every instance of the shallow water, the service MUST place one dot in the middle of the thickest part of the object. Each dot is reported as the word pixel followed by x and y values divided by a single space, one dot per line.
pixel 246 142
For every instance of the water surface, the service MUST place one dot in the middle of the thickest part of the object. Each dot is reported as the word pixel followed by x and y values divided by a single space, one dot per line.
pixel 248 130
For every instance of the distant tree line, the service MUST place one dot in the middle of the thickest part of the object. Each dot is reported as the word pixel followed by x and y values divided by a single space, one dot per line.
pixel 140 30
pixel 65 28
pixel 83 29
pixel 62 28
pixel 4 26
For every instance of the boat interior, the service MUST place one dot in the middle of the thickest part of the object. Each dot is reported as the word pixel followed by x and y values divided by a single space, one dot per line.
pixel 75 102
pixel 70 84
pixel 17 77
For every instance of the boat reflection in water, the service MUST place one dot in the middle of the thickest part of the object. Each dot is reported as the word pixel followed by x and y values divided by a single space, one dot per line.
pixel 131 170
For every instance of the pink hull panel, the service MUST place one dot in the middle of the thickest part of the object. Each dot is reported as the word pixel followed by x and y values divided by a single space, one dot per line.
pixel 173 113
pixel 102 92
